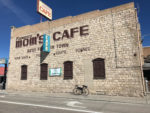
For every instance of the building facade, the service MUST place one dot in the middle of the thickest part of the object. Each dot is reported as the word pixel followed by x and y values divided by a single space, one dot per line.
pixel 146 52
pixel 100 49
pixel 146 67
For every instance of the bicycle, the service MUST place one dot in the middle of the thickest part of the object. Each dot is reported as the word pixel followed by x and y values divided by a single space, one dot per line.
pixel 81 90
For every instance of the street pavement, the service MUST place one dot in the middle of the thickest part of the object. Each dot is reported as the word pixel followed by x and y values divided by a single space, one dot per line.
pixel 60 103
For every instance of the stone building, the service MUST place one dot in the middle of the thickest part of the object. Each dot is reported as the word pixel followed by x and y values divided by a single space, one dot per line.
pixel 100 49
pixel 146 67
pixel 146 52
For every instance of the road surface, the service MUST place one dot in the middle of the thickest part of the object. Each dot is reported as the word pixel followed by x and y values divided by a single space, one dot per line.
pixel 13 103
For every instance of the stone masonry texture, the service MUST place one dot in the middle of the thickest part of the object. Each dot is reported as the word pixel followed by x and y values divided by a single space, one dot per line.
pixel 114 35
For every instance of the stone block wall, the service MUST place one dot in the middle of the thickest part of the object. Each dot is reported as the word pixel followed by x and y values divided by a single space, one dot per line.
pixel 112 35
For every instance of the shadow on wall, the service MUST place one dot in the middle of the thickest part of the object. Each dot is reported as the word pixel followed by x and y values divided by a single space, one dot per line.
pixel 43 55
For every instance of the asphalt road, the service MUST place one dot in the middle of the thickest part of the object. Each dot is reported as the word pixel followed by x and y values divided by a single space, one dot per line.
pixel 40 104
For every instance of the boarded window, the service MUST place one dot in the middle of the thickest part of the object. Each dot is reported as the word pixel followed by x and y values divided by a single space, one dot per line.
pixel 99 68
pixel 68 70
pixel 24 72
pixel 43 74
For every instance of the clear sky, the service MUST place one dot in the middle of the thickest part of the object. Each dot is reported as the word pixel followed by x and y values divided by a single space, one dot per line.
pixel 23 12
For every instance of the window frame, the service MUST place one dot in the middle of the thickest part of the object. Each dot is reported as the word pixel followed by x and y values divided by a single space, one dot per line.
pixel 68 71
pixel 99 73
pixel 42 73
pixel 24 67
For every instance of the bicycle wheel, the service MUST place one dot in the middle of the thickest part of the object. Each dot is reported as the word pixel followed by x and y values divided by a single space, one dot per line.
pixel 85 91
pixel 75 91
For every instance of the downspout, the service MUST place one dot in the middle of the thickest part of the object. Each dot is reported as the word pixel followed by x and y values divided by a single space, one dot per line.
pixel 115 48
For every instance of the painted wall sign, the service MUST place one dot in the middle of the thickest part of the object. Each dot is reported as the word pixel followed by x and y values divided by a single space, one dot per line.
pixel 82 49
pixel 3 61
pixel 46 43
pixel 30 40
pixel 82 30
pixel 44 9
pixel 55 72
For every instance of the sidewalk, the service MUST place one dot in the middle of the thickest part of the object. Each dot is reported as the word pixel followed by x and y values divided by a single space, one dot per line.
pixel 121 99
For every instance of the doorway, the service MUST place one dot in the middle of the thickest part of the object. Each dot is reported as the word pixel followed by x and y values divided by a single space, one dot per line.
pixel 147 79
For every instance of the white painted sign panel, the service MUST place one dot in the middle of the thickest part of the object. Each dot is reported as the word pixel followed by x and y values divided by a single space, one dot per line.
pixel 55 72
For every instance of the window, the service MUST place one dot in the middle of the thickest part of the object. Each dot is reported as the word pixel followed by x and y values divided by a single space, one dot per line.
pixel 68 70
pixel 99 68
pixel 43 74
pixel 24 72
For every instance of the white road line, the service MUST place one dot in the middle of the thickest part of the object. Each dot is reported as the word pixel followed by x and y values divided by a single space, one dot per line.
pixel 2 96
pixel 45 106
pixel 72 104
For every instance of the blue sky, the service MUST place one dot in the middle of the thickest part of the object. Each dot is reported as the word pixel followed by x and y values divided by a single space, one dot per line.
pixel 23 12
